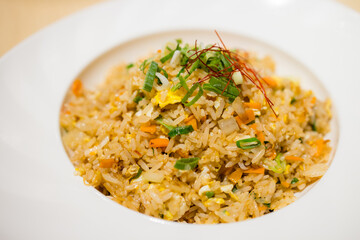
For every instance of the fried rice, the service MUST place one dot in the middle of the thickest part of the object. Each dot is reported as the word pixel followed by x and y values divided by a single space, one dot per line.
pixel 122 147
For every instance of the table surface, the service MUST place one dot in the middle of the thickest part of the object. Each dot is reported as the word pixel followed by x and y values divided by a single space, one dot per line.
pixel 21 18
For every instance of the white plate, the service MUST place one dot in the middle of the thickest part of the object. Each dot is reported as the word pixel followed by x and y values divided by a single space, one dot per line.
pixel 40 198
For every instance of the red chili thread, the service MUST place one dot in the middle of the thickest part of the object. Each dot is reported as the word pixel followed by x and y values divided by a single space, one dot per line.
pixel 237 63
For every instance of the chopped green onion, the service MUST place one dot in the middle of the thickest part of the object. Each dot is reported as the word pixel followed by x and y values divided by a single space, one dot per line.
pixel 294 180
pixel 139 96
pixel 267 204
pixel 137 99
pixel 129 66
pixel 137 174
pixel 301 140
pixel 218 85
pixel 167 57
pixel 222 84
pixel 187 163
pixel 179 85
pixel 210 194
pixel 144 64
pixel 183 83
pixel 176 87
pixel 180 130
pixel 225 62
pixel 234 189
pixel 193 67
pixel 150 76
pixel 190 92
pixel 208 87
pixel 248 143
pixel 293 100
pixel 180 72
pixel 313 124
pixel 161 121
pixel 197 96
pixel 160 69
pixel 280 164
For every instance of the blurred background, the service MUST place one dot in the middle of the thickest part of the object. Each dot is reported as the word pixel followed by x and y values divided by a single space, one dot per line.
pixel 21 18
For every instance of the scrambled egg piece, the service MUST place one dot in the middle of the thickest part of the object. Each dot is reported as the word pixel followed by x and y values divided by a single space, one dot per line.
pixel 171 98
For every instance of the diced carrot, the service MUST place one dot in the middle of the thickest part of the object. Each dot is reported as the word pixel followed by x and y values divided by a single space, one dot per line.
pixel 189 118
pixel 76 87
pixel 238 120
pixel 285 184
pixel 319 147
pixel 254 105
pixel 262 208
pixel 250 116
pixel 148 128
pixel 107 163
pixel 159 142
pixel 260 170
pixel 203 119
pixel 193 123
pixel 236 175
pixel 313 100
pixel 294 158
pixel 260 136
pixel 270 81
pixel 253 126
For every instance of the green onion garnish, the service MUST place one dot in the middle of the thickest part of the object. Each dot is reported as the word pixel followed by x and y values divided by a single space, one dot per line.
pixel 144 64
pixel 221 84
pixel 137 99
pixel 176 87
pixel 167 57
pixel 294 180
pixel 129 66
pixel 210 194
pixel 187 163
pixel 183 83
pixel 161 121
pixel 197 96
pixel 139 96
pixel 248 143
pixel 137 174
pixel 161 70
pixel 293 100
pixel 170 55
pixel 193 67
pixel 190 92
pixel 150 75
pixel 267 204
pixel 180 130
pixel 280 164
pixel 218 85
pixel 313 124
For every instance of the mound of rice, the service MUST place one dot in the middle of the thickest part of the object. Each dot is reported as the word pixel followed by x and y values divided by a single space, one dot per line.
pixel 107 136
